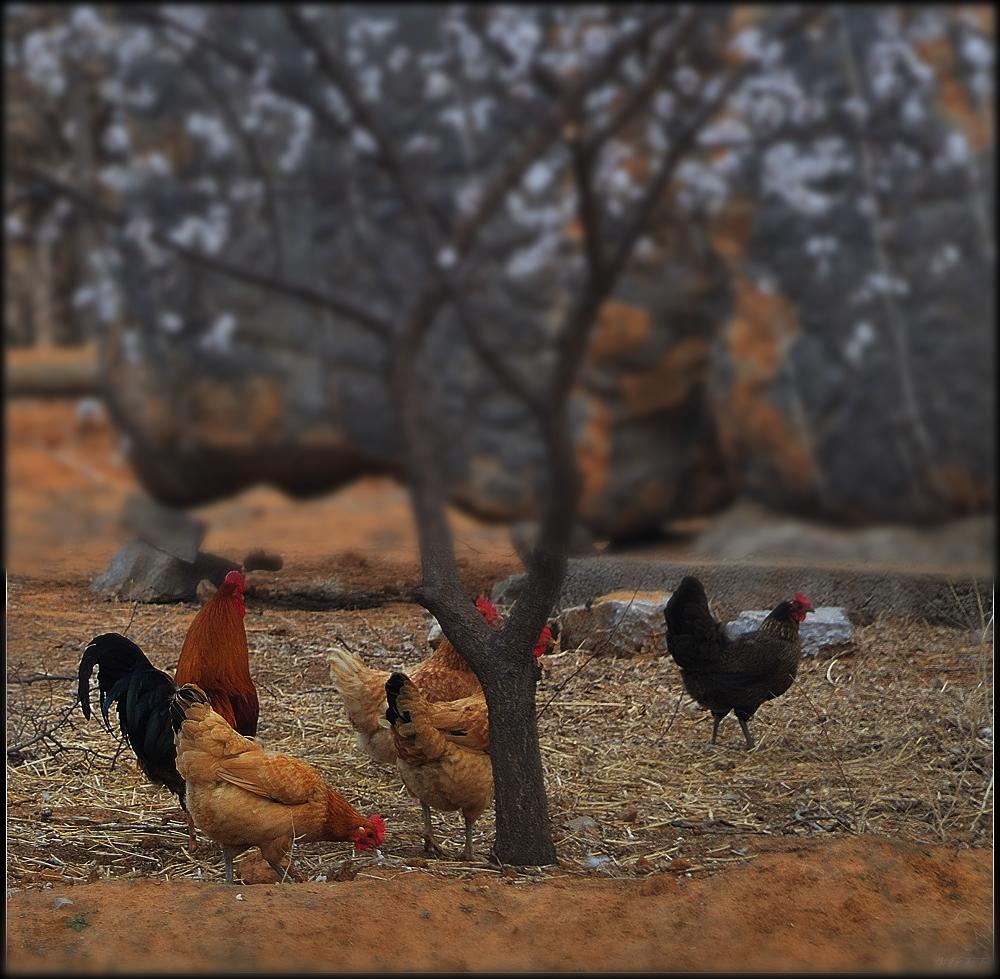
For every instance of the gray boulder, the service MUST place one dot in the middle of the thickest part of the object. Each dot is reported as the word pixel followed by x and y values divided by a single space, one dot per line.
pixel 140 572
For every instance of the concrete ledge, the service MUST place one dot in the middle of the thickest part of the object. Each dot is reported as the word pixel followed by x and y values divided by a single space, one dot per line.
pixel 960 598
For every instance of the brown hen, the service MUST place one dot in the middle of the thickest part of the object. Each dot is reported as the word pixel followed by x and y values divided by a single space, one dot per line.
pixel 242 796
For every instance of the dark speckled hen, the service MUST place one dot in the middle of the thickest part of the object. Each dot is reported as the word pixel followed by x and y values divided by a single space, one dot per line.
pixel 724 674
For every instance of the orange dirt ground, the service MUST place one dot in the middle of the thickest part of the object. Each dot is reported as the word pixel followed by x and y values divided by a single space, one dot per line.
pixel 799 904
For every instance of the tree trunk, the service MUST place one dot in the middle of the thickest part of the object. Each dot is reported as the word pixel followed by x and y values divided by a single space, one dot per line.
pixel 523 832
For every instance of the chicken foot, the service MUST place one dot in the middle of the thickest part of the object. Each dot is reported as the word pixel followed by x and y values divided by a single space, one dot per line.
pixel 284 873
pixel 430 847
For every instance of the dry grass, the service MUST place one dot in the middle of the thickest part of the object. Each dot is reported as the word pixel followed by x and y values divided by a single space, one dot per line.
pixel 894 738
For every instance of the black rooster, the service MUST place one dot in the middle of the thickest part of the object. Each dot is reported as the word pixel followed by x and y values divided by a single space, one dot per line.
pixel 142 694
pixel 725 674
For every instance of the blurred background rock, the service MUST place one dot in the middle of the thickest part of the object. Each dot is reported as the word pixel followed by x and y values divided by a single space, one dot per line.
pixel 809 327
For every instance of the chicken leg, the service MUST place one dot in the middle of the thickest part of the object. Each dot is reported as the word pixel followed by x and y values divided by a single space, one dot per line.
pixel 429 845
pixel 715 726
pixel 746 730
pixel 468 839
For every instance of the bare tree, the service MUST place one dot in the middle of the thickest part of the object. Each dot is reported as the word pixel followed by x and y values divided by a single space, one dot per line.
pixel 603 113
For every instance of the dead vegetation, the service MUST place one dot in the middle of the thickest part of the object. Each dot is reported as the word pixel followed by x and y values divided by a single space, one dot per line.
pixel 894 738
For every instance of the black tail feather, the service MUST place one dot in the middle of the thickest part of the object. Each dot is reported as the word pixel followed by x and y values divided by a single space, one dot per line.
pixel 393 686
pixel 115 658
pixel 142 695
pixel 693 635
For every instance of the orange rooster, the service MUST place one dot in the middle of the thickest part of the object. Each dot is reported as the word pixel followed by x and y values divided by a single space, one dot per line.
pixel 242 796
pixel 442 754
pixel 214 654
pixel 443 676
pixel 216 657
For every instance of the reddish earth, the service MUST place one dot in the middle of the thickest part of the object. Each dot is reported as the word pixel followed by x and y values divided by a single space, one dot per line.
pixel 796 904
pixel 860 904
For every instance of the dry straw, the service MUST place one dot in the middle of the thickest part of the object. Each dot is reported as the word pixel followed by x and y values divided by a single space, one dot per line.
pixel 894 738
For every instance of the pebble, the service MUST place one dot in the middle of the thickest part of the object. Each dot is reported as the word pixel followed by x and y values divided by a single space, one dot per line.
pixel 62 902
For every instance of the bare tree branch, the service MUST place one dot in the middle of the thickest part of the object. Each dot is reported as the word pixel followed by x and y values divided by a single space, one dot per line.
pixel 590 215
pixel 314 297
pixel 344 80
pixel 641 95
pixel 246 63
pixel 683 142
pixel 547 566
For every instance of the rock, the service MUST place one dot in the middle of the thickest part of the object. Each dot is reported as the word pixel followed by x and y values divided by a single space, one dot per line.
pixel 853 301
pixel 434 634
pixel 62 902
pixel 166 528
pixel 143 573
pixel 802 326
pixel 622 623
pixel 261 560
pixel 89 415
pixel 749 531
pixel 583 826
pixel 506 592
pixel 822 631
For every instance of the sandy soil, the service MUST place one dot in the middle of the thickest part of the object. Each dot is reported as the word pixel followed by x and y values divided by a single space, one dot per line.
pixel 902 898
pixel 864 904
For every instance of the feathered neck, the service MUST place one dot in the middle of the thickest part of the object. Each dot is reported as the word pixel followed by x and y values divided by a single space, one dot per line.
pixel 215 649
pixel 780 624
pixel 342 819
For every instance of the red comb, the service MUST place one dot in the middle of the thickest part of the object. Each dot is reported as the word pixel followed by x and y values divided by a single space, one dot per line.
pixel 237 579
pixel 378 824
pixel 487 609
pixel 543 642
pixel 802 600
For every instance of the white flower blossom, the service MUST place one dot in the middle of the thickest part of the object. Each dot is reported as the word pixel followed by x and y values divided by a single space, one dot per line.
pixel 298 140
pixel 132 347
pixel 947 256
pixel 790 170
pixel 219 336
pixel 211 131
pixel 398 58
pixel 538 176
pixel 861 338
pixel 170 322
pixel 362 140
pixel 207 234
pixel 436 85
